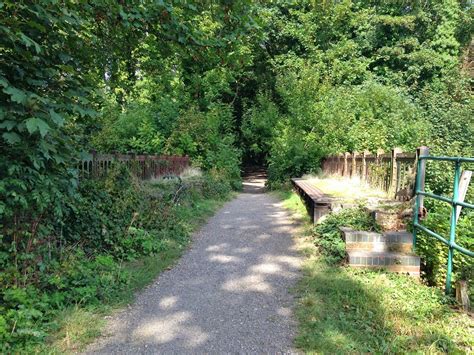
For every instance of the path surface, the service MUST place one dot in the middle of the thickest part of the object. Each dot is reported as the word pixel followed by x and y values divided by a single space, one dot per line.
pixel 229 293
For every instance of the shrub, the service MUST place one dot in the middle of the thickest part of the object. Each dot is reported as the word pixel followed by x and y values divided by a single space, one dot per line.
pixel 327 235
pixel 79 260
pixel 435 254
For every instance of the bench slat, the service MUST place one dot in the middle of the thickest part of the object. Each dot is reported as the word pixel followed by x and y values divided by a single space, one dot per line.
pixel 313 192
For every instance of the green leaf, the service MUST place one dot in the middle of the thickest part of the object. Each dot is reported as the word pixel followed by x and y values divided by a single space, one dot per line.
pixel 11 138
pixel 3 82
pixel 16 95
pixel 58 119
pixel 34 124
pixel 29 42
pixel 8 124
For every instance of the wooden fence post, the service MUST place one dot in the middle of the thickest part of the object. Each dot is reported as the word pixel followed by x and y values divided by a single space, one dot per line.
pixel 364 165
pixel 94 163
pixel 394 171
pixel 354 164
pixel 378 163
pixel 346 155
pixel 419 152
pixel 340 165
pixel 133 163
pixel 462 295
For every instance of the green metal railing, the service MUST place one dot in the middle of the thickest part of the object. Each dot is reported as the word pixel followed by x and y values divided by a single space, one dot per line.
pixel 454 202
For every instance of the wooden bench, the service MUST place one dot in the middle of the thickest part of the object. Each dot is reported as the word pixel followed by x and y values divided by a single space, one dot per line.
pixel 317 202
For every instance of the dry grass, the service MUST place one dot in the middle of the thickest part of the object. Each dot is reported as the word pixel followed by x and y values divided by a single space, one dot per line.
pixel 350 189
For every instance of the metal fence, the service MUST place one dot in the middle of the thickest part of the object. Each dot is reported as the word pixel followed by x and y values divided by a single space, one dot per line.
pixel 392 172
pixel 456 202
pixel 144 166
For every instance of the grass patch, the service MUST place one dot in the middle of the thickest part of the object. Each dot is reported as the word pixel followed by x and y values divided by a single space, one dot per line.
pixel 292 202
pixel 349 189
pixel 78 326
pixel 342 310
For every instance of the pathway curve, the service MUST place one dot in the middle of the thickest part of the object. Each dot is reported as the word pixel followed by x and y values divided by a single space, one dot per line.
pixel 229 293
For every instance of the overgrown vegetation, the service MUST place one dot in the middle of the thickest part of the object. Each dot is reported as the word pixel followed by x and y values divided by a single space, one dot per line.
pixel 433 253
pixel 277 83
pixel 356 75
pixel 343 310
pixel 328 235
pixel 114 239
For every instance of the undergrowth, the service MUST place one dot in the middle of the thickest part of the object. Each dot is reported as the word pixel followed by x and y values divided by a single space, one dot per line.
pixel 116 235
pixel 343 310
pixel 327 235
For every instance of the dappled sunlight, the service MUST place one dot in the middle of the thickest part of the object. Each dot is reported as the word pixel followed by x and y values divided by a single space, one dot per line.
pixel 293 261
pixel 224 259
pixel 243 250
pixel 263 236
pixel 266 268
pixel 218 247
pixel 171 327
pixel 227 226
pixel 248 227
pixel 238 270
pixel 284 311
pixel 168 302
pixel 249 283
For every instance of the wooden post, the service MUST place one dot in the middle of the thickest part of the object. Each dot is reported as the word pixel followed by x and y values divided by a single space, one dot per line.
pixel 346 172
pixel 419 152
pixel 394 170
pixel 354 164
pixel 379 180
pixel 364 165
pixel 94 163
pixel 462 295
pixel 340 165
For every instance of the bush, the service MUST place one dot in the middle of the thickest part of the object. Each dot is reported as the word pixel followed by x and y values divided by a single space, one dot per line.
pixel 78 259
pixel 435 254
pixel 327 235
pixel 208 139
pixel 338 119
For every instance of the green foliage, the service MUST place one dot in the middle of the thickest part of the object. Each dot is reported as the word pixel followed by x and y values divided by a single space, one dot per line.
pixel 258 128
pixel 344 310
pixel 327 235
pixel 278 83
pixel 331 120
pixel 41 93
pixel 136 129
pixel 435 254
pixel 356 75
pixel 207 138
pixel 110 222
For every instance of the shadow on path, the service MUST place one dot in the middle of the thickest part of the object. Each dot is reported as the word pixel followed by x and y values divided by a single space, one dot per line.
pixel 254 180
pixel 228 293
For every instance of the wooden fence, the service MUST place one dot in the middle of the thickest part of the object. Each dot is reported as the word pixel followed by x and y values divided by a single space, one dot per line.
pixel 143 166
pixel 392 172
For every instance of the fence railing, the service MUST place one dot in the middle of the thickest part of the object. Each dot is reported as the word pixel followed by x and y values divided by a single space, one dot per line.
pixel 144 166
pixel 392 172
pixel 456 202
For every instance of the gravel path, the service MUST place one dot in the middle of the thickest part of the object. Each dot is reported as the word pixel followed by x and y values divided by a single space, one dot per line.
pixel 229 293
